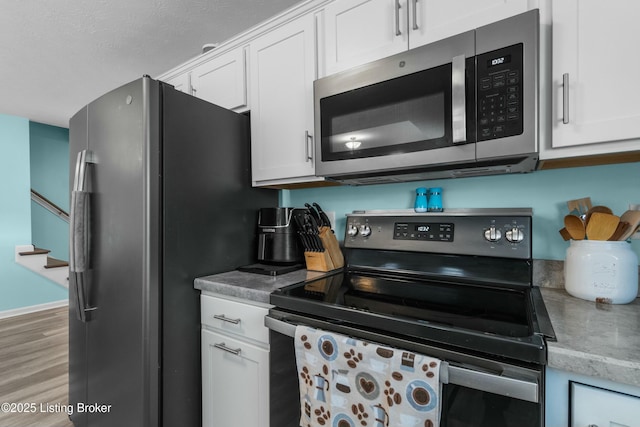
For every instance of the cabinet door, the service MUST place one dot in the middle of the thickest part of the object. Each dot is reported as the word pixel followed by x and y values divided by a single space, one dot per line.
pixel 595 56
pixel 181 82
pixel 222 80
pixel 432 20
pixel 360 31
pixel 593 406
pixel 282 74
pixel 235 387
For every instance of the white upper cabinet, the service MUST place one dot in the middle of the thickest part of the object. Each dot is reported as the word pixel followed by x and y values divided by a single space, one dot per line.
pixel 432 20
pixel 222 80
pixel 283 67
pixel 181 82
pixel 595 85
pixel 360 31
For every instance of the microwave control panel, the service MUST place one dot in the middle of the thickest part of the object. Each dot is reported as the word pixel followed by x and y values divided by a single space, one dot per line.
pixel 500 76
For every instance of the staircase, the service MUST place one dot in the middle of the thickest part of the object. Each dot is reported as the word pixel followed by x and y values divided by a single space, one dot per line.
pixel 38 260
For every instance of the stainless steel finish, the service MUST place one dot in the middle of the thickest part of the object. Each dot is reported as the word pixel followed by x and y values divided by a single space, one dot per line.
pixel 226 319
pixel 511 387
pixel 513 154
pixel 79 228
pixel 471 229
pixel 308 140
pixel 397 10
pixel 145 332
pixel 222 346
pixel 523 28
pixel 409 62
pixel 505 380
pixel 458 101
pixel 565 98
pixel 415 15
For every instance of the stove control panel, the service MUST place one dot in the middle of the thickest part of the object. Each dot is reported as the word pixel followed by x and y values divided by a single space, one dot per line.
pixel 483 232
pixel 434 231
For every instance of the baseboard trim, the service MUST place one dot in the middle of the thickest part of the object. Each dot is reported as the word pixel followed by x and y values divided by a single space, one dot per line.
pixel 32 309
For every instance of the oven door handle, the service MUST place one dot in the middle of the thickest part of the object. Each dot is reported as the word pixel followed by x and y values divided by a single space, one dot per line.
pixel 451 374
pixel 492 383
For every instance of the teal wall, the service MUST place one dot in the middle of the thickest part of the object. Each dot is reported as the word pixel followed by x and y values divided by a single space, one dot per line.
pixel 50 177
pixel 546 192
pixel 19 287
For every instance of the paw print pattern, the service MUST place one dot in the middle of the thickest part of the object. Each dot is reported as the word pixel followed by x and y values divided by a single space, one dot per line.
pixel 393 397
pixel 352 358
pixel 428 369
pixel 322 415
pixel 306 344
pixel 306 377
pixel 359 411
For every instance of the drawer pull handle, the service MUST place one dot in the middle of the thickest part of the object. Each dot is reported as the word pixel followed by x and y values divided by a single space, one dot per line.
pixel 234 351
pixel 226 319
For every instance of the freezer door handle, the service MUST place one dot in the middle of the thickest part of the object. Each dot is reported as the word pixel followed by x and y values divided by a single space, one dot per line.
pixel 79 220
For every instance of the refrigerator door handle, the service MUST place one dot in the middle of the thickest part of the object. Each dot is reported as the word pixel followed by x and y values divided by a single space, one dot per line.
pixel 79 233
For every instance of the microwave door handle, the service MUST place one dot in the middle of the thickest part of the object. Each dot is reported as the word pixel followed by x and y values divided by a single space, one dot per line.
pixel 458 100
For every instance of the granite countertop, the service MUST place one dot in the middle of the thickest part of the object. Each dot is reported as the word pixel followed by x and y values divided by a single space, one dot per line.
pixel 598 340
pixel 251 286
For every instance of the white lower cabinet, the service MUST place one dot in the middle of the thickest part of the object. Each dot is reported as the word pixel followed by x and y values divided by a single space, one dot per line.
pixel 594 406
pixel 235 364
pixel 235 386
pixel 576 400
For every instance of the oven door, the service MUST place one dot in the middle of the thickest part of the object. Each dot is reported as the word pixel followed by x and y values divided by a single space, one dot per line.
pixel 476 392
pixel 410 110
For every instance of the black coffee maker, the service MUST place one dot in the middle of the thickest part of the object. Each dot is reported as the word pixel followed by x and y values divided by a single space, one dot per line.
pixel 278 249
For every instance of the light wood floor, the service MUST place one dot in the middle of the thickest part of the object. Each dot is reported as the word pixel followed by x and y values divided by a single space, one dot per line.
pixel 34 369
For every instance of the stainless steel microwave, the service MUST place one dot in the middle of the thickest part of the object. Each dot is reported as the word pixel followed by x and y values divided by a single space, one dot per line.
pixel 463 106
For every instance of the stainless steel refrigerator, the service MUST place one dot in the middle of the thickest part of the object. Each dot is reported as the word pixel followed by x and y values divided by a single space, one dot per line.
pixel 161 194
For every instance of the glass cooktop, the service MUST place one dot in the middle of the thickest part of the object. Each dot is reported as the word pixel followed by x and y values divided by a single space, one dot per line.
pixel 496 321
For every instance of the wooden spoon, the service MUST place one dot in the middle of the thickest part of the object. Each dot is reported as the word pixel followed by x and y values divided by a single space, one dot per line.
pixel 601 226
pixel 574 226
pixel 633 218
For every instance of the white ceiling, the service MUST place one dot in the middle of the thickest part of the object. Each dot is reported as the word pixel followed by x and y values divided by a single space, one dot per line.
pixel 58 55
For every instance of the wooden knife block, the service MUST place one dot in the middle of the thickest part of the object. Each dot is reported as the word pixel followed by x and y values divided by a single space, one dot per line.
pixel 331 258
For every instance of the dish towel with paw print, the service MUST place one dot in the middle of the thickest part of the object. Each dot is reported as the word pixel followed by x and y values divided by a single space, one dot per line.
pixel 347 382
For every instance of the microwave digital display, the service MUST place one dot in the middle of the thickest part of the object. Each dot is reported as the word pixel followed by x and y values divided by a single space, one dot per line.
pixel 500 60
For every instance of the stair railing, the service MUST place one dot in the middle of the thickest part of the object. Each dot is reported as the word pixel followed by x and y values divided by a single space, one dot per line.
pixel 49 205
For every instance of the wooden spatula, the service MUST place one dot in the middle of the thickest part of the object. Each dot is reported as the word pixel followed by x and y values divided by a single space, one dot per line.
pixel 601 226
pixel 633 218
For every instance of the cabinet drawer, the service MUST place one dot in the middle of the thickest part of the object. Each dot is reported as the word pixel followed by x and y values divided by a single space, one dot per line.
pixel 231 317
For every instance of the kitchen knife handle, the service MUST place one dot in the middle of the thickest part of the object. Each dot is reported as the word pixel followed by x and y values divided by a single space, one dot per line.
pixel 565 98
pixel 458 100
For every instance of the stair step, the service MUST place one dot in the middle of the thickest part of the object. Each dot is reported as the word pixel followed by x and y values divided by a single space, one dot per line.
pixel 35 251
pixel 55 263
